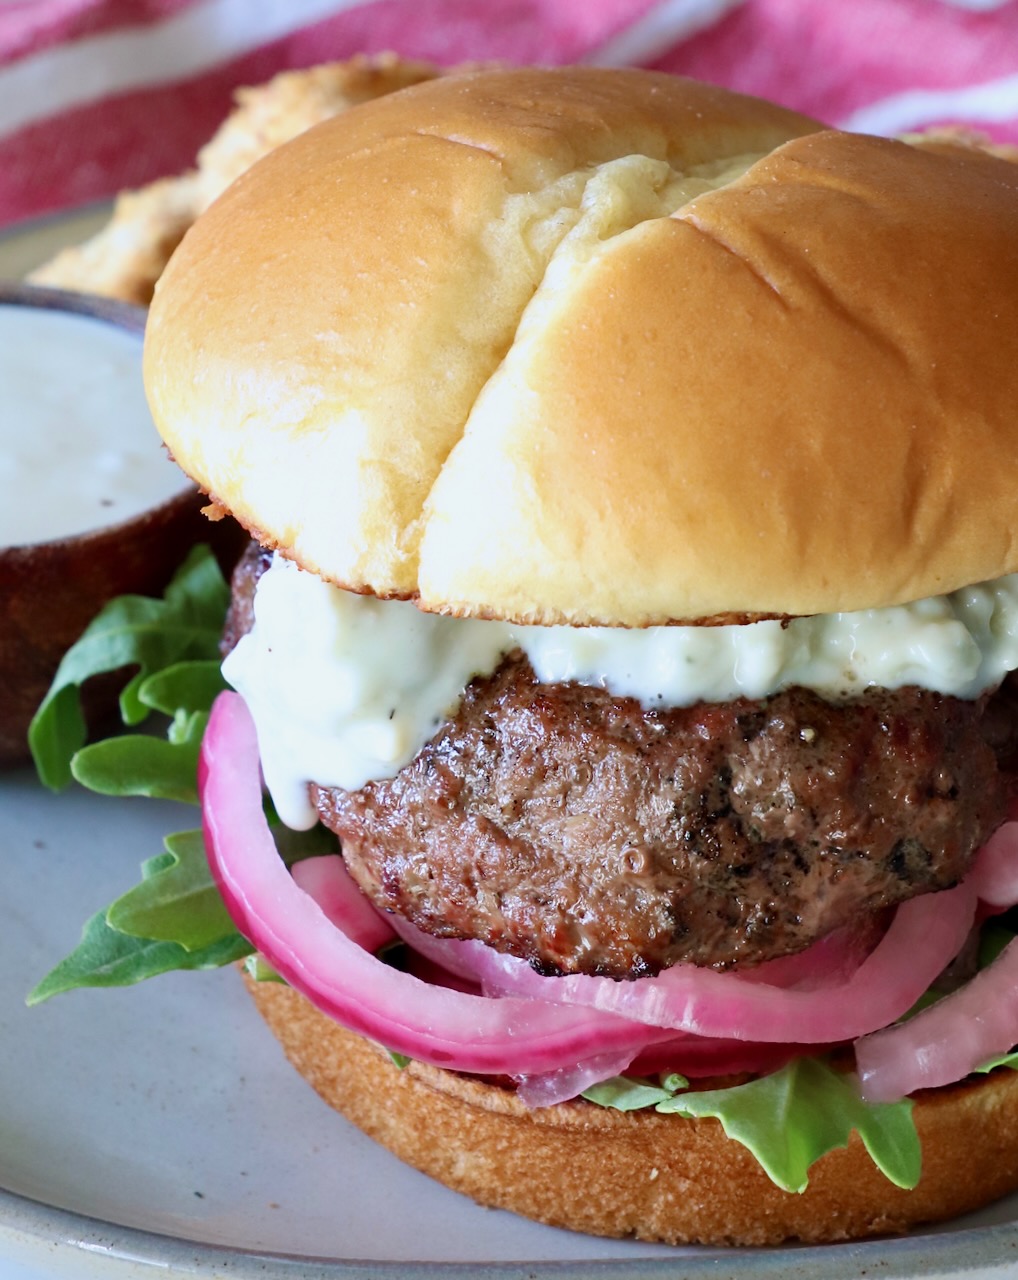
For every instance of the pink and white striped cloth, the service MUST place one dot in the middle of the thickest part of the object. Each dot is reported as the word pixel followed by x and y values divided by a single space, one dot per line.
pixel 98 95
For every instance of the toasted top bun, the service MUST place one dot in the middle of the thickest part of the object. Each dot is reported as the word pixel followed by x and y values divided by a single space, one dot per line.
pixel 605 347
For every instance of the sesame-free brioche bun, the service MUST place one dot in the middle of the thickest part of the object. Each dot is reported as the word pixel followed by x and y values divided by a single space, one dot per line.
pixel 604 346
pixel 656 1177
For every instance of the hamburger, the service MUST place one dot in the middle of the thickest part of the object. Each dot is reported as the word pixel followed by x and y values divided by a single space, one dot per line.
pixel 630 466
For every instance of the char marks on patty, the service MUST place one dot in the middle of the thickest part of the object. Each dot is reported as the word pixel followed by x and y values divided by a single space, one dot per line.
pixel 587 835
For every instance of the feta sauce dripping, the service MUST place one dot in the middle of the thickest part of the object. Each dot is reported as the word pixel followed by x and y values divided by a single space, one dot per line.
pixel 78 448
pixel 345 689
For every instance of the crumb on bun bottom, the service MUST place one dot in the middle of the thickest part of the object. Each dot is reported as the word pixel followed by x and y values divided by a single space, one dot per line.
pixel 656 1177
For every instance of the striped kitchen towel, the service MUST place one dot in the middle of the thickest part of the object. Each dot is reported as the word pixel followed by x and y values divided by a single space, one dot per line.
pixel 99 95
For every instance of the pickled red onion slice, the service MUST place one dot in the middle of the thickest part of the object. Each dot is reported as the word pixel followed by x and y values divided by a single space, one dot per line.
pixel 832 958
pixel 569 1082
pixel 947 1040
pixel 699 1057
pixel 433 974
pixel 994 874
pixel 327 880
pixel 691 1055
pixel 434 1024
pixel 451 962
pixel 925 934
pixel 465 957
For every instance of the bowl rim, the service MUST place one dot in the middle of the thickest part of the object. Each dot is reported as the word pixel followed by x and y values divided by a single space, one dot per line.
pixel 124 315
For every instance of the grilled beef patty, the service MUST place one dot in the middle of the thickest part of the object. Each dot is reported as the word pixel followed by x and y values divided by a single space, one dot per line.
pixel 588 835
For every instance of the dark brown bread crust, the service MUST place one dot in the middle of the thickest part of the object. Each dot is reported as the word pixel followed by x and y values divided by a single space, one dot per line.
pixel 656 1177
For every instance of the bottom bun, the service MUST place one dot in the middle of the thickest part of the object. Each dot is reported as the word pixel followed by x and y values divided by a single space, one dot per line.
pixel 656 1177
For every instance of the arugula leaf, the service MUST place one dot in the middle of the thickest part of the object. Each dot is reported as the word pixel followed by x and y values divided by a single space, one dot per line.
pixel 258 967
pixel 184 686
pixel 130 631
pixel 166 769
pixel 135 764
pixel 794 1116
pixel 293 846
pixel 173 919
pixel 624 1094
pixel 1002 1060
pixel 106 957
pixel 177 900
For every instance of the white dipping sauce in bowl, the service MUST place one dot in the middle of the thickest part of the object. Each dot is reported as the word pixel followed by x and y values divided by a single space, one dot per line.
pixel 78 448
pixel 91 507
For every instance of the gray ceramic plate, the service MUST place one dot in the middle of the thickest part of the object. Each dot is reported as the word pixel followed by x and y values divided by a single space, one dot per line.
pixel 159 1132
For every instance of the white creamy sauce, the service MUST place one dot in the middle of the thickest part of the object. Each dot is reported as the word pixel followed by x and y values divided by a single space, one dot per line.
pixel 345 688
pixel 78 448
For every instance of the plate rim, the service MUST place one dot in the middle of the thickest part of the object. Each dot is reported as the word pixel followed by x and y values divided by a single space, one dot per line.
pixel 46 1226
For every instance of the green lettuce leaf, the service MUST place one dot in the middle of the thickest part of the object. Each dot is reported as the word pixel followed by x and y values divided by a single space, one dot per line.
pixel 136 764
pixel 140 765
pixel 791 1118
pixel 177 900
pixel 623 1093
pixel 106 957
pixel 184 687
pixel 993 938
pixel 257 967
pixel 173 919
pixel 1003 1060
pixel 131 631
